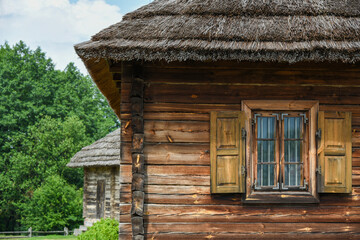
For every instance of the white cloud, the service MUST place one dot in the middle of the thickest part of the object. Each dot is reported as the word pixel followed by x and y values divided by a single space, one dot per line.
pixel 55 25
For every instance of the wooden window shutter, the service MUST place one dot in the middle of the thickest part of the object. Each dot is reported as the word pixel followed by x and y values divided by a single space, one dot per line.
pixel 334 152
pixel 227 152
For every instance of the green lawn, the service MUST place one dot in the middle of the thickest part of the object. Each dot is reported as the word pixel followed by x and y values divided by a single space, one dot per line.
pixel 48 237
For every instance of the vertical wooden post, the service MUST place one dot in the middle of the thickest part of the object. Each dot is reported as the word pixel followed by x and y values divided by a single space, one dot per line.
pixel 138 170
pixel 30 232
pixel 66 231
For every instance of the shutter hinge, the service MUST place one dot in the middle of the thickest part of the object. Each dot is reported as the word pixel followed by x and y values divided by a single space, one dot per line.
pixel 243 133
pixel 306 120
pixel 318 170
pixel 243 170
pixel 306 185
pixel 254 185
pixel 318 133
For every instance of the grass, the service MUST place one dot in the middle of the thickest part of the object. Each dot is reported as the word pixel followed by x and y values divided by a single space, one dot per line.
pixel 48 237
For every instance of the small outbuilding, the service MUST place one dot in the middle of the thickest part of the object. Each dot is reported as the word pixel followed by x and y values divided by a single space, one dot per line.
pixel 240 118
pixel 101 162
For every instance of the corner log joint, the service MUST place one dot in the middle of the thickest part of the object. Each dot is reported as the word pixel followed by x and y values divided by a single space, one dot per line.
pixel 138 166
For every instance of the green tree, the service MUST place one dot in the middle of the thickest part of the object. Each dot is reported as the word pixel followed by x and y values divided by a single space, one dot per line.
pixel 53 206
pixel 47 115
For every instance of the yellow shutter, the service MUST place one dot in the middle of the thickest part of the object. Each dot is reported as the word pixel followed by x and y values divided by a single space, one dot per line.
pixel 334 152
pixel 227 152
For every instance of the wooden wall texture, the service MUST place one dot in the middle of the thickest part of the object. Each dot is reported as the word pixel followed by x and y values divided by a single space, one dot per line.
pixel 177 100
pixel 112 192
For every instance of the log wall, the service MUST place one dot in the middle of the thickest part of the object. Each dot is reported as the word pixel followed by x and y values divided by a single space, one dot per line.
pixel 112 193
pixel 177 100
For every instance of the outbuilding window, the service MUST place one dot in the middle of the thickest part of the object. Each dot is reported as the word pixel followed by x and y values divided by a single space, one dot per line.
pixel 280 151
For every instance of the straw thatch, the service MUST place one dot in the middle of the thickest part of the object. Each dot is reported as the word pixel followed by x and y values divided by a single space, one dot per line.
pixel 103 152
pixel 201 30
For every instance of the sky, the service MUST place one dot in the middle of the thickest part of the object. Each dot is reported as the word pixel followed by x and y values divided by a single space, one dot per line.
pixel 56 25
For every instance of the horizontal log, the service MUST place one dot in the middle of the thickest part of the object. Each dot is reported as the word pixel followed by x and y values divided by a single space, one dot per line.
pixel 255 74
pixel 169 189
pixel 248 227
pixel 249 218
pixel 180 107
pixel 255 212
pixel 171 180
pixel 171 153
pixel 212 235
pixel 171 132
pixel 343 200
pixel 171 116
pixel 356 162
pixel 231 93
pixel 168 170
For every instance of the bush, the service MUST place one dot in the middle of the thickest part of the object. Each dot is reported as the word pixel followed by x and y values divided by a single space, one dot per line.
pixel 53 206
pixel 105 229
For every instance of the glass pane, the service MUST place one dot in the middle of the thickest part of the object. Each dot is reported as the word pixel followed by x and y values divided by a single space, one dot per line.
pixel 265 175
pixel 292 175
pixel 266 127
pixel 292 151
pixel 292 127
pixel 266 151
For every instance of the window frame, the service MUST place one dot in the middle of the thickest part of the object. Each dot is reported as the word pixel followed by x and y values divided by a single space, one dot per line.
pixel 305 196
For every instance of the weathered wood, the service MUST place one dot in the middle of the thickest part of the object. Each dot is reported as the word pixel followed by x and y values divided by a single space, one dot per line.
pixel 169 154
pixel 138 181
pixel 138 143
pixel 137 106
pixel 137 207
pixel 137 88
pixel 335 152
pixel 232 93
pixel 178 98
pixel 232 236
pixel 138 237
pixel 250 227
pixel 100 199
pixel 179 132
pixel 138 163
pixel 137 226
pixel 137 124
pixel 199 199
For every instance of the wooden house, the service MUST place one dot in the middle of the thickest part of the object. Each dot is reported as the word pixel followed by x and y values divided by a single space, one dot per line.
pixel 240 118
pixel 101 162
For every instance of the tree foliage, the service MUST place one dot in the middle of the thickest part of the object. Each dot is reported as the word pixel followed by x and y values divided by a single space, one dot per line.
pixel 47 115
pixel 55 203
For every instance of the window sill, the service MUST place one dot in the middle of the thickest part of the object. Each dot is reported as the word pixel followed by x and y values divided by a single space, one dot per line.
pixel 280 197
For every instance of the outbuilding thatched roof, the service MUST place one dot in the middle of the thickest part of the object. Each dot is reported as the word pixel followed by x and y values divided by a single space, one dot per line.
pixel 266 30
pixel 103 152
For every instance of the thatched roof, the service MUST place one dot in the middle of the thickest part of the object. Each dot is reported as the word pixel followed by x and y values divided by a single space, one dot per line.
pixel 213 30
pixel 103 152
pixel 266 30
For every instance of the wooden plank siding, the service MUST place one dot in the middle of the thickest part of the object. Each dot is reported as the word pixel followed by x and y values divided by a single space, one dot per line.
pixel 178 98
pixel 110 175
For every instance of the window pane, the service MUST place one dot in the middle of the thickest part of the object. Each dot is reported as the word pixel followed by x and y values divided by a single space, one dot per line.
pixel 292 175
pixel 266 127
pixel 265 175
pixel 292 127
pixel 292 151
pixel 265 151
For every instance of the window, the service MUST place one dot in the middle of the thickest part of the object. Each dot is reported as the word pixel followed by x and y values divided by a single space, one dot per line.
pixel 280 151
